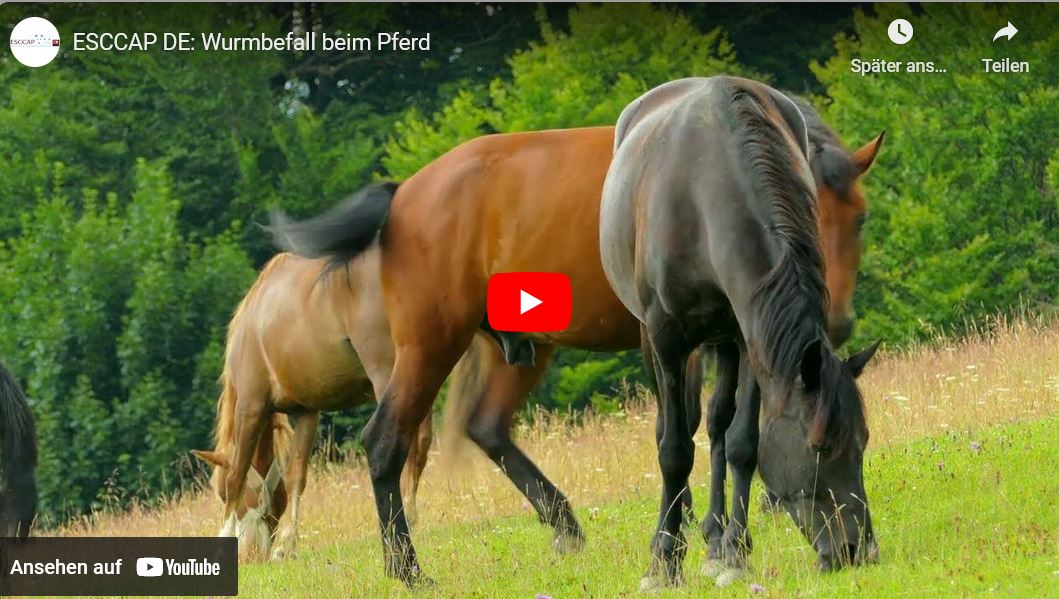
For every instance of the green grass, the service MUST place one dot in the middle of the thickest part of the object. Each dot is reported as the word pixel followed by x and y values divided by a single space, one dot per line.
pixel 953 519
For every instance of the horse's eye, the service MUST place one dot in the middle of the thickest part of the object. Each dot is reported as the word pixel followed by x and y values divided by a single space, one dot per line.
pixel 861 219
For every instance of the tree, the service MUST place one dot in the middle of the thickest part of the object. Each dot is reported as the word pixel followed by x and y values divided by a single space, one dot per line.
pixel 579 78
pixel 115 320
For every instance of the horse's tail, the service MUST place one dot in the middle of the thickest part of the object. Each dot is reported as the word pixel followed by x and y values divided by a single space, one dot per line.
pixel 224 433
pixel 469 380
pixel 18 449
pixel 342 232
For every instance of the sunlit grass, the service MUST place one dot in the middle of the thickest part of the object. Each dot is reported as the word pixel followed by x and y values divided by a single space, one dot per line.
pixel 960 508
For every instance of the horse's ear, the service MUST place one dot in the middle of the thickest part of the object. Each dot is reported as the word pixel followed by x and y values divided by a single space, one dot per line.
pixel 211 457
pixel 865 156
pixel 812 364
pixel 859 360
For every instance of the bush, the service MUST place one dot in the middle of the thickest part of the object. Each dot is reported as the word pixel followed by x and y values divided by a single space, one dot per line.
pixel 117 323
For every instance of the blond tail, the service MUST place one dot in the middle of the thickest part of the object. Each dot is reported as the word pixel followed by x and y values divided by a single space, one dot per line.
pixel 469 380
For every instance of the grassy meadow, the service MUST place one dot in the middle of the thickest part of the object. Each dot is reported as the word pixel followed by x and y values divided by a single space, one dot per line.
pixel 962 473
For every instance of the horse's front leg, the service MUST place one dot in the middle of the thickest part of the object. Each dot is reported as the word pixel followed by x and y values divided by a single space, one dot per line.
pixel 741 442
pixel 676 451
pixel 719 415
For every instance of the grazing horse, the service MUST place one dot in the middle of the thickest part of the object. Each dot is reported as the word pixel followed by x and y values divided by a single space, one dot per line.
pixel 498 203
pixel 708 234
pixel 18 450
pixel 305 339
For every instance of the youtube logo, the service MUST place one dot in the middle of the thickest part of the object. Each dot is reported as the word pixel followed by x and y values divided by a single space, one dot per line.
pixel 529 302
pixel 149 566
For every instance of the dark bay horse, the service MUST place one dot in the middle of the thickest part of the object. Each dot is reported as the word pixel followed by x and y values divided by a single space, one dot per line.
pixel 305 339
pixel 18 449
pixel 500 203
pixel 708 234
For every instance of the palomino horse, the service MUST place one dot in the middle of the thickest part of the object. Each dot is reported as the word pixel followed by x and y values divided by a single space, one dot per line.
pixel 18 449
pixel 499 203
pixel 305 339
pixel 708 234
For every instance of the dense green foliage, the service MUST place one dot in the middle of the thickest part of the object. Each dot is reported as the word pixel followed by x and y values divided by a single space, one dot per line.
pixel 575 78
pixel 117 320
pixel 128 180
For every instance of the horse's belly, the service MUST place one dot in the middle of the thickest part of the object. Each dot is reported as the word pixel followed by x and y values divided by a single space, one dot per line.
pixel 324 380
pixel 597 326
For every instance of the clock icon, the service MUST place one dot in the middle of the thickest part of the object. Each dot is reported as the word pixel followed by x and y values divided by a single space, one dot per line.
pixel 900 31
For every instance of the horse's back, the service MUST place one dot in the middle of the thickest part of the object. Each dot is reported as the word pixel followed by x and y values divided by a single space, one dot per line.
pixel 290 339
pixel 506 180
pixel 504 203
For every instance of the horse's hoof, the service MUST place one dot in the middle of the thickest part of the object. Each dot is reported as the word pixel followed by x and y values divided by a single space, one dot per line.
pixel 712 568
pixel 730 575
pixel 281 554
pixel 422 582
pixel 656 582
pixel 652 584
pixel 565 544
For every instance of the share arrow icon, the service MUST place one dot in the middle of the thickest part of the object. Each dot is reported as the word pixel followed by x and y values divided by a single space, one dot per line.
pixel 1007 31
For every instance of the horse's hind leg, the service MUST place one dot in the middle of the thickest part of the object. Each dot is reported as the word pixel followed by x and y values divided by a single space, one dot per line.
pixel 720 411
pixel 294 479
pixel 505 389
pixel 417 376
pixel 418 453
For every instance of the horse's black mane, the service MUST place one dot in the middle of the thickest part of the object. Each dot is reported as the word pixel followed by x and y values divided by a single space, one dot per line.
pixel 18 449
pixel 792 300
pixel 15 412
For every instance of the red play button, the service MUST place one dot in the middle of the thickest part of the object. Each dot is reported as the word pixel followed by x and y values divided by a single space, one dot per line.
pixel 529 302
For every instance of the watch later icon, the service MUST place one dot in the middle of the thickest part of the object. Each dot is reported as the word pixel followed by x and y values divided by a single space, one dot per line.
pixel 1007 31
pixel 900 31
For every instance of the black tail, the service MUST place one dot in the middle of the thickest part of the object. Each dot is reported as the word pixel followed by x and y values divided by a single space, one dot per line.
pixel 18 450
pixel 342 232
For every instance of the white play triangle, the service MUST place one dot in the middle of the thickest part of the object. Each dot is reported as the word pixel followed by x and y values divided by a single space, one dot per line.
pixel 527 302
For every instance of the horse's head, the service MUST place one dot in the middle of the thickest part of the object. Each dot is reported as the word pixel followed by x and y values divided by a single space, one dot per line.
pixel 841 211
pixel 811 456
pixel 254 516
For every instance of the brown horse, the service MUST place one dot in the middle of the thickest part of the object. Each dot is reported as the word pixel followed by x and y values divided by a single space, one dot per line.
pixel 18 449
pixel 305 339
pixel 499 203
pixel 709 234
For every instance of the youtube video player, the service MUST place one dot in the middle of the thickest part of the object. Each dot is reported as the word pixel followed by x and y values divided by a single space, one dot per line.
pixel 541 300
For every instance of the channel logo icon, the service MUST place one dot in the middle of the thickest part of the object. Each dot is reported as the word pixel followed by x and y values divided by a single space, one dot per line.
pixel 34 42
pixel 149 567
pixel 529 302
